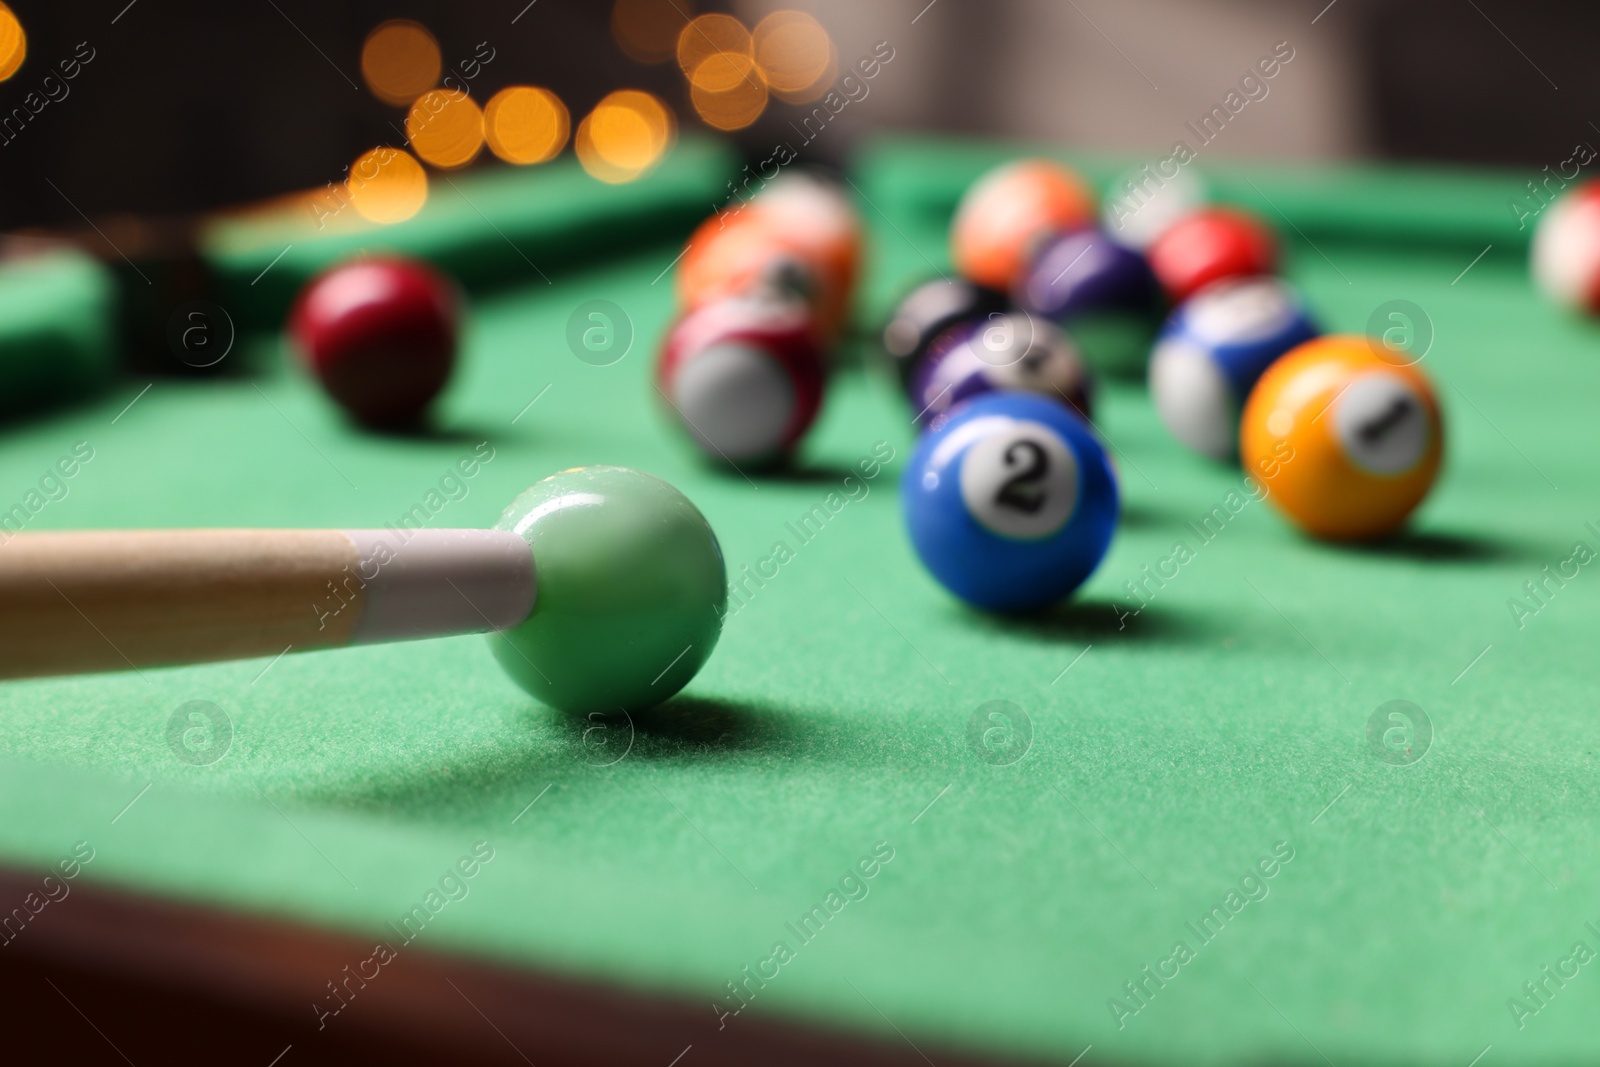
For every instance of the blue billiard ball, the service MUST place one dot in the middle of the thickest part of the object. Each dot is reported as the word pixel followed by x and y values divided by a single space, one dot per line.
pixel 1013 350
pixel 1010 501
pixel 1102 292
pixel 1212 351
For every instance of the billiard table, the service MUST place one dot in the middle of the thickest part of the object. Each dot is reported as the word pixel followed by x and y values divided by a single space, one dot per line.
pixel 1264 800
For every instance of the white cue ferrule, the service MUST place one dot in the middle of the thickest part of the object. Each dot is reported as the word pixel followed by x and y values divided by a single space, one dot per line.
pixel 438 582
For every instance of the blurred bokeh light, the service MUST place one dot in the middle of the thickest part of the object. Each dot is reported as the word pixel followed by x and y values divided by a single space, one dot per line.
pixel 624 136
pixel 386 185
pixel 795 55
pixel 13 43
pixel 707 35
pixel 525 124
pixel 279 113
pixel 400 61
pixel 647 30
pixel 728 90
pixel 445 127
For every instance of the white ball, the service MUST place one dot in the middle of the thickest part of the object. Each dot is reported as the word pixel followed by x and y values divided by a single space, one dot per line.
pixel 1136 210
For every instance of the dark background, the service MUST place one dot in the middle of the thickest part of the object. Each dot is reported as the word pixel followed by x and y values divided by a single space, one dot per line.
pixel 188 105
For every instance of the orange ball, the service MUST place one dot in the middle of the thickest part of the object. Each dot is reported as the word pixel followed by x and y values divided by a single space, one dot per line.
pixel 1009 212
pixel 1346 440
pixel 753 250
pixel 820 217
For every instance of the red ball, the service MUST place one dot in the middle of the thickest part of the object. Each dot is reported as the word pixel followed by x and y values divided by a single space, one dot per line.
pixel 1566 249
pixel 1210 245
pixel 744 376
pixel 380 335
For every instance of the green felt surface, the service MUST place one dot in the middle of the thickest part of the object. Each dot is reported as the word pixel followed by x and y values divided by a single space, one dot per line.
pixel 1167 757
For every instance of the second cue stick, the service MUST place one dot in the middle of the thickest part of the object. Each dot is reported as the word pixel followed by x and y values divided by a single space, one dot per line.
pixel 114 600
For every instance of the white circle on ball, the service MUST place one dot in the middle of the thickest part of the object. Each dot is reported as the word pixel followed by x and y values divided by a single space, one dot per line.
pixel 1239 311
pixel 1194 398
pixel 1382 424
pixel 1004 337
pixel 1050 364
pixel 1020 481
pixel 736 400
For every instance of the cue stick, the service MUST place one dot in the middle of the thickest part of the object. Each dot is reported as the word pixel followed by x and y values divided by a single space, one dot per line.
pixel 115 600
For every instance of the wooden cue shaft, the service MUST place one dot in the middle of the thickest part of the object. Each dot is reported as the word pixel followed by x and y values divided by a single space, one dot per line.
pixel 119 600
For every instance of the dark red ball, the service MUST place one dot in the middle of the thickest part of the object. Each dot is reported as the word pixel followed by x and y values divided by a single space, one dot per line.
pixel 380 335
pixel 1209 245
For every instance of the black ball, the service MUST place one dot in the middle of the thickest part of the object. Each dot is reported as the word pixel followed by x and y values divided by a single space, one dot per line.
pixel 928 311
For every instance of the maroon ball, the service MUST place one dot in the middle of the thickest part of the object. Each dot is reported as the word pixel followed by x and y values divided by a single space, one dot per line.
pixel 380 335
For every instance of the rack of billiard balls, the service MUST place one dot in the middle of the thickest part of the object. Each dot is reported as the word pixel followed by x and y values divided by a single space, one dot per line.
pixel 1010 499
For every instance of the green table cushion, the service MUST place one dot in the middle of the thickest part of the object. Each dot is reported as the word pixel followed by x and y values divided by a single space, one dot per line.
pixel 1382 204
pixel 489 228
pixel 56 322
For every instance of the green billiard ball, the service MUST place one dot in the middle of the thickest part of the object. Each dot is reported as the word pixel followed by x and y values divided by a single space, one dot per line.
pixel 631 590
